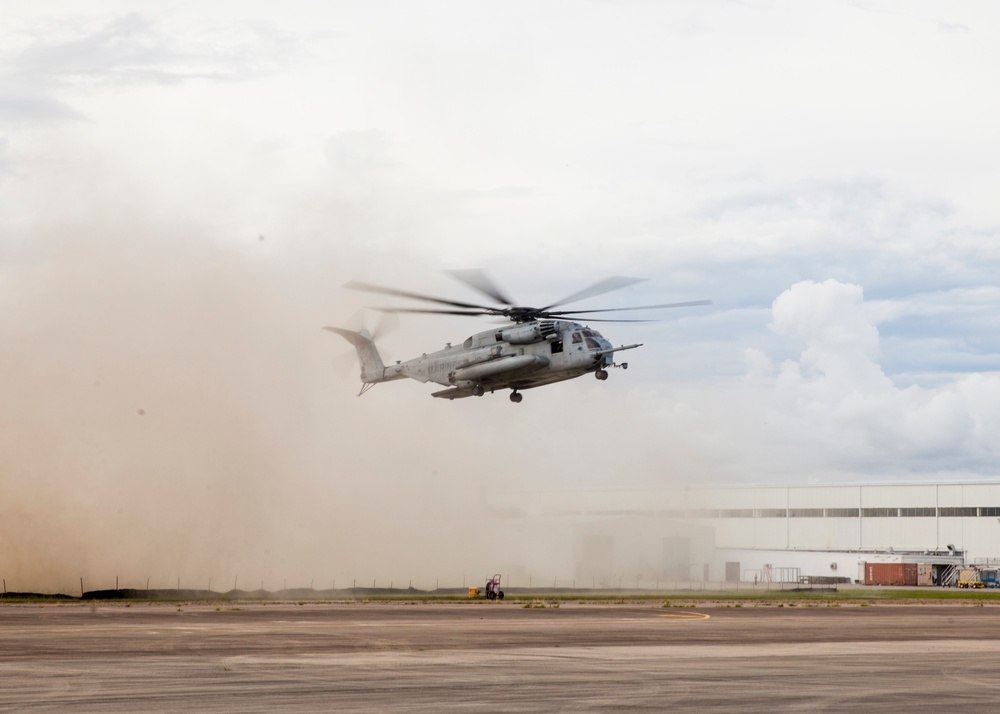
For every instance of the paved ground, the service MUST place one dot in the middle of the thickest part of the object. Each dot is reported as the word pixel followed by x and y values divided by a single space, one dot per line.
pixel 496 657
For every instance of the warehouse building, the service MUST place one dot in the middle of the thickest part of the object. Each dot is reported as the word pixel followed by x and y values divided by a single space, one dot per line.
pixel 814 533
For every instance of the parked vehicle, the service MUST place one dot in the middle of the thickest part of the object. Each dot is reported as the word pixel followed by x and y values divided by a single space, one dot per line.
pixel 990 577
pixel 969 578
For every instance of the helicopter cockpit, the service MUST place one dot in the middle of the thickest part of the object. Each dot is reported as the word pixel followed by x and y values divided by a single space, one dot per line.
pixel 591 338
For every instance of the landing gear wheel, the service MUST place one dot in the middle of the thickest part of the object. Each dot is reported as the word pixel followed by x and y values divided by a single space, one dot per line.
pixel 516 397
pixel 478 391
pixel 500 594
pixel 601 374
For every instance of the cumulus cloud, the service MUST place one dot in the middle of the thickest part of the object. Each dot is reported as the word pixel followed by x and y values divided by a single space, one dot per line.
pixel 829 410
pixel 841 346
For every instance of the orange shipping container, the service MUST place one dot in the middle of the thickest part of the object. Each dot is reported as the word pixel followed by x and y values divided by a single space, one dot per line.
pixel 890 573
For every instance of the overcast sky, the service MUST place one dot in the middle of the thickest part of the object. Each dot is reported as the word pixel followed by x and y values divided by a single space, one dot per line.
pixel 185 187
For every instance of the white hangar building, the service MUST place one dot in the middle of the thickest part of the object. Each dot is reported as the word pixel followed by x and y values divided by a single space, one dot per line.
pixel 748 533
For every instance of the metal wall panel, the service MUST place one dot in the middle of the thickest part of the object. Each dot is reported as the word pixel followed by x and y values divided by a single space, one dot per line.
pixel 950 494
pixel 823 497
pixel 776 497
pixel 770 533
pixel 898 495
pixel 899 533
pixel 734 532
pixel 814 533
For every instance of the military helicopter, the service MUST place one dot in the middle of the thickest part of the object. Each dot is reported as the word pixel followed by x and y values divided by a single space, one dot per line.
pixel 539 348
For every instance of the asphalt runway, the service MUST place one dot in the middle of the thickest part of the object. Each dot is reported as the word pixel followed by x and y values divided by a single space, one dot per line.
pixel 496 657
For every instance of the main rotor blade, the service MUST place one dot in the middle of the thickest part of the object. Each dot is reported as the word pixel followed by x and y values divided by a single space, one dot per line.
pixel 478 280
pixel 598 319
pixel 414 296
pixel 430 311
pixel 616 282
pixel 692 303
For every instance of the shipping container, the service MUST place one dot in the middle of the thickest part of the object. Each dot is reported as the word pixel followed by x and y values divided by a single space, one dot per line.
pixel 890 573
pixel 925 574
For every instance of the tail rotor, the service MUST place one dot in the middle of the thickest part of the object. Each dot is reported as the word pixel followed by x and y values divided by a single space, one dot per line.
pixel 372 366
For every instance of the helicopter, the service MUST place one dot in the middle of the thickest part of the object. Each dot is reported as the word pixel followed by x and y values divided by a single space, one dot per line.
pixel 540 347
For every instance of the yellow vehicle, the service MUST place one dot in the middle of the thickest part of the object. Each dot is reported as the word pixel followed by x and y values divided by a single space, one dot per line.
pixel 969 578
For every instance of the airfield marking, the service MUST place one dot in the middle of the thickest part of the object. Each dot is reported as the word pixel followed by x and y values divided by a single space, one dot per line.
pixel 685 615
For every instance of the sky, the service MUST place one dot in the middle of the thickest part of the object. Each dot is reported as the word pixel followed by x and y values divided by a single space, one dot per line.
pixel 185 188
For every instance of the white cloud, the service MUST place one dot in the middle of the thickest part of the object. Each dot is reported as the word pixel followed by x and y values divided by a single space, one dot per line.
pixel 134 49
pixel 841 345
pixel 19 111
pixel 830 408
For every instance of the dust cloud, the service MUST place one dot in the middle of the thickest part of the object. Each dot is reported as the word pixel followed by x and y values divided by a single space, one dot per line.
pixel 171 414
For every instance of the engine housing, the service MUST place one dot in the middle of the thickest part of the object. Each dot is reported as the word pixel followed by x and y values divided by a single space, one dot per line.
pixel 529 333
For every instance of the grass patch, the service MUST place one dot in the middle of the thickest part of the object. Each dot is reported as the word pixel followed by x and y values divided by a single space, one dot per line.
pixel 843 596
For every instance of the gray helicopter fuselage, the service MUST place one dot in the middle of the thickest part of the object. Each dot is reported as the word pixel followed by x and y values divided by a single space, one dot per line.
pixel 517 357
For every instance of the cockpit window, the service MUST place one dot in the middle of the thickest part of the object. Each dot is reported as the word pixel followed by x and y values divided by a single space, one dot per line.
pixel 588 333
pixel 468 343
pixel 576 338
pixel 592 344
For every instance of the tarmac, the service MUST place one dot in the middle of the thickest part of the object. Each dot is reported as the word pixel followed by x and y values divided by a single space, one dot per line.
pixel 428 656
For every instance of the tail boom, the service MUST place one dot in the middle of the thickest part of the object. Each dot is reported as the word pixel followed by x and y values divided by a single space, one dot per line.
pixel 372 369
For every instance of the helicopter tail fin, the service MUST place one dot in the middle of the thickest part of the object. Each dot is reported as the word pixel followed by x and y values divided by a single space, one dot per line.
pixel 372 368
